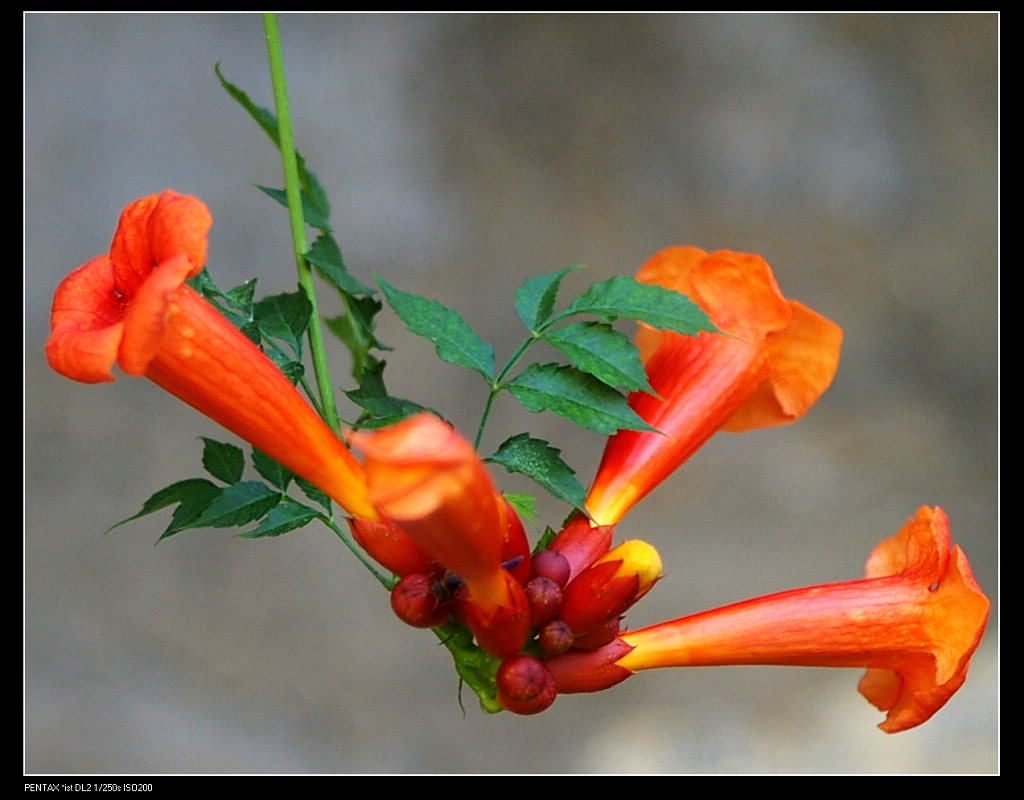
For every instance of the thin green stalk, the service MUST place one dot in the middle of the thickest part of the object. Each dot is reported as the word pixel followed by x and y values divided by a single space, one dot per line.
pixel 386 582
pixel 294 195
pixel 496 387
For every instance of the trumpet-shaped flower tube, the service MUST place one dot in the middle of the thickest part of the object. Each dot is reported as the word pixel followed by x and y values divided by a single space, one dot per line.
pixel 132 307
pixel 427 479
pixel 914 622
pixel 771 361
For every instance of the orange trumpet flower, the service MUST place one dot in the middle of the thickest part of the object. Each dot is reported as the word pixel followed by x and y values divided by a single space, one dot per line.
pixel 914 622
pixel 132 307
pixel 428 480
pixel 771 361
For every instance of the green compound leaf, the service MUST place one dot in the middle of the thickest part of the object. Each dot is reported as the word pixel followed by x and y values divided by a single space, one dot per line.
pixel 453 339
pixel 600 350
pixel 272 471
pixel 472 664
pixel 284 518
pixel 373 396
pixel 325 255
pixel 314 493
pixel 626 298
pixel 525 506
pixel 223 461
pixel 239 504
pixel 535 299
pixel 580 398
pixel 168 496
pixel 284 317
pixel 190 509
pixel 541 462
pixel 316 207
pixel 311 215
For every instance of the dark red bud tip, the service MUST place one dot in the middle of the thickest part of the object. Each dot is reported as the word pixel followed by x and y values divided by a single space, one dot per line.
pixel 416 602
pixel 544 597
pixel 524 685
pixel 555 637
pixel 552 565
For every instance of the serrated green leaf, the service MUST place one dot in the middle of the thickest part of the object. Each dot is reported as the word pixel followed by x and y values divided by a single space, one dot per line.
pixel 313 216
pixel 284 518
pixel 524 505
pixel 539 461
pixel 472 664
pixel 190 509
pixel 239 504
pixel 580 398
pixel 627 298
pixel 313 195
pixel 355 329
pixel 373 396
pixel 314 493
pixel 169 495
pixel 293 370
pixel 241 297
pixel 272 471
pixel 535 299
pixel 325 255
pixel 454 341
pixel 600 350
pixel 223 461
pixel 284 317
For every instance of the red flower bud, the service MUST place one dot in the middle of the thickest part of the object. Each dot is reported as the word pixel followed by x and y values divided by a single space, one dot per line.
pixel 524 685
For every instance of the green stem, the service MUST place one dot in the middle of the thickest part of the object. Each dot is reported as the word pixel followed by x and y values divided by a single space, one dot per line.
pixel 496 387
pixel 294 195
pixel 387 582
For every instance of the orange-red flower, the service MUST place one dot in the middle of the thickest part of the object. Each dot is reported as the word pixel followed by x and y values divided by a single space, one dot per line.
pixel 427 479
pixel 133 307
pixel 914 622
pixel 772 360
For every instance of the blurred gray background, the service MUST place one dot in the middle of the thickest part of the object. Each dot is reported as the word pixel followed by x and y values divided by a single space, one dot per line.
pixel 464 154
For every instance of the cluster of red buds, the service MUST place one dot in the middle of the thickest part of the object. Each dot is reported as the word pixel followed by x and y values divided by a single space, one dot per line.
pixel 576 592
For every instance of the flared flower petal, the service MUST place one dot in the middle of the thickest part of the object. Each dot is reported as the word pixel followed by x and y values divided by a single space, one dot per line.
pixel 770 363
pixel 914 622
pixel 133 307
pixel 427 479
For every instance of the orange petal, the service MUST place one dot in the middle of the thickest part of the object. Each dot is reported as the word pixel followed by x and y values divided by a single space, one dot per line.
pixel 800 363
pixel 85 324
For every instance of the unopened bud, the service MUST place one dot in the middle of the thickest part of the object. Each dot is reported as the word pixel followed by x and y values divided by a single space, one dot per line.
pixel 417 601
pixel 524 685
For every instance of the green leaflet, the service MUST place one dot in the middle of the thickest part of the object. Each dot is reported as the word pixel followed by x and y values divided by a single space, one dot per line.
pixel 627 298
pixel 600 350
pixel 539 461
pixel 223 461
pixel 580 398
pixel 535 299
pixel 454 341
pixel 283 518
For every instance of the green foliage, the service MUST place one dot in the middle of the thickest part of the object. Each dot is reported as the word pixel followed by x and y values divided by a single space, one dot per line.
pixel 314 199
pixel 454 341
pixel 599 350
pixel 627 298
pixel 201 503
pixel 538 460
pixel 325 256
pixel 223 461
pixel 576 396
pixel 474 666
pixel 535 299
